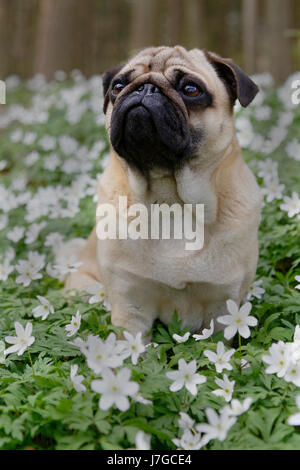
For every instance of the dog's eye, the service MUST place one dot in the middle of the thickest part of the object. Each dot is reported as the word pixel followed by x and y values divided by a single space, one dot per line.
pixel 192 91
pixel 117 88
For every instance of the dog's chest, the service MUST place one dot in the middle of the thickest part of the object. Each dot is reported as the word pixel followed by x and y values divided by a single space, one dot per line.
pixel 162 261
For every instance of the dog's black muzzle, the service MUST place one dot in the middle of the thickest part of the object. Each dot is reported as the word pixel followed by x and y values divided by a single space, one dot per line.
pixel 149 130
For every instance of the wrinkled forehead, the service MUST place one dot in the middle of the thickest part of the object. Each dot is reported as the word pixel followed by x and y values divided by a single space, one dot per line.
pixel 167 61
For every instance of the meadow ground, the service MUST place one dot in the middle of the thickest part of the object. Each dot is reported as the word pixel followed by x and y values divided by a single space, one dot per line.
pixel 58 395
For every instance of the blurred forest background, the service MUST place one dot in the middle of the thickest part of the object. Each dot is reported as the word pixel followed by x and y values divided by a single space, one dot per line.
pixel 93 35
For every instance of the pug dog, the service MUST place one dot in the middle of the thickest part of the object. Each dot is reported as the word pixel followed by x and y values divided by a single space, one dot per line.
pixel 170 123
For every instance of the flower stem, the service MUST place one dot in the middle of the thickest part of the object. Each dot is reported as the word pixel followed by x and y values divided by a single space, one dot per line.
pixel 240 344
pixel 31 363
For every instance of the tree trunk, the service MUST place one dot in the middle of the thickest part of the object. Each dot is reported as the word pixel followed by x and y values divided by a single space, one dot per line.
pixel 43 39
pixel 249 22
pixel 143 21
pixel 278 42
pixel 194 23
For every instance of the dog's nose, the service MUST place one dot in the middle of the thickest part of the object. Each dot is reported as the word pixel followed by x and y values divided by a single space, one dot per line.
pixel 147 89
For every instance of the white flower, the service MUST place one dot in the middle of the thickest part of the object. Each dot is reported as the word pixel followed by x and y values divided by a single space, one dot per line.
pixel 20 183
pixel 292 373
pixel 218 425
pixel 297 331
pixel 77 379
pixel 115 388
pixel 221 357
pixel 3 221
pixel 139 399
pixel 292 205
pixel 29 138
pixel 185 422
pixel 74 326
pixel 245 364
pixel 278 359
pixel 5 270
pixel 21 341
pixel 255 290
pixel 60 75
pixel 297 278
pixel 68 145
pixel 142 441
pixel 52 272
pixel 181 339
pixel 186 376
pixel 47 142
pixel 293 149
pixel 237 407
pixel 258 143
pixel 16 135
pixel 29 269
pixel 294 420
pixel 31 158
pixel 71 166
pixel 97 291
pixel 277 135
pixel 107 305
pixel 133 346
pixel 51 162
pixel 294 347
pixel 102 354
pixel 206 332
pixel 245 132
pixel 263 113
pixel 96 149
pixel 16 234
pixel 81 344
pixel 3 164
pixel 33 232
pixel 36 260
pixel 44 309
pixel 268 169
pixel 226 389
pixel 273 190
pixel 285 119
pixel 10 254
pixel 238 320
pixel 55 240
pixel 189 441
pixel 68 264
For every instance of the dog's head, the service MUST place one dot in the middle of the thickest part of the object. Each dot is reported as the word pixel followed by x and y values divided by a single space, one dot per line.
pixel 167 105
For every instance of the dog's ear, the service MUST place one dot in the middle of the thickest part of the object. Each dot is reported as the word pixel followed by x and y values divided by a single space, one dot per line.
pixel 238 83
pixel 106 81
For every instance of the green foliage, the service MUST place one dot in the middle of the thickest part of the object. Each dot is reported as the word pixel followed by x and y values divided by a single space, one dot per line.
pixel 39 407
